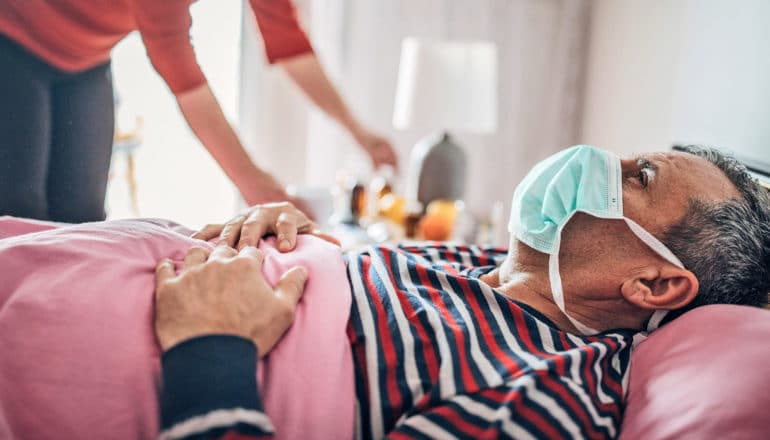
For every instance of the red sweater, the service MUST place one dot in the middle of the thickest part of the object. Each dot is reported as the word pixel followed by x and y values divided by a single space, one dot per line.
pixel 75 35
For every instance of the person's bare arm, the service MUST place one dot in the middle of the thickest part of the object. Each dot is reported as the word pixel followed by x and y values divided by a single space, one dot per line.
pixel 165 30
pixel 206 119
pixel 308 74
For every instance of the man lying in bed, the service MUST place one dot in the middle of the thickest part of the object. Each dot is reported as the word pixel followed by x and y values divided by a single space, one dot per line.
pixel 455 341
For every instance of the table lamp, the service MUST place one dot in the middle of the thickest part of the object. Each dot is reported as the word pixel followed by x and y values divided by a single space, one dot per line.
pixel 443 86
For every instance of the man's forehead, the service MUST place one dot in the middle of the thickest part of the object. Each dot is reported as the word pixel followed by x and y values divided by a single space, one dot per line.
pixel 695 174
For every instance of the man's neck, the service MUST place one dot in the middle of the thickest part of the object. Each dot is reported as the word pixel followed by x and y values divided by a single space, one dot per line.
pixel 529 289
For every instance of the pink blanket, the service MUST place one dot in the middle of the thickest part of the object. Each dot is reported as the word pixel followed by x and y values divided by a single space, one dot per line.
pixel 78 355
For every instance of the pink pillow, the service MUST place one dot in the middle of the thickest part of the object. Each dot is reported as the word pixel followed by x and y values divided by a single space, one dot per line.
pixel 705 375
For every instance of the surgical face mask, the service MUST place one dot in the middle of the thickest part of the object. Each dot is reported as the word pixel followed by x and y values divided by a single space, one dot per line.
pixel 579 179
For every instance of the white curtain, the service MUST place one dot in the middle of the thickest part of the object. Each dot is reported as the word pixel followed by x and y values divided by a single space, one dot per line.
pixel 542 50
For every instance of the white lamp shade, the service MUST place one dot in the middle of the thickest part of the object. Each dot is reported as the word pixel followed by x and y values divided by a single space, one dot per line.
pixel 447 85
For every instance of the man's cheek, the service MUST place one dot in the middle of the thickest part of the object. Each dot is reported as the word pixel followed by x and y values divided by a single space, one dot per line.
pixel 582 235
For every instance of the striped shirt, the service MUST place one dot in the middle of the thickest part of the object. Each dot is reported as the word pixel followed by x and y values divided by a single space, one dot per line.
pixel 439 354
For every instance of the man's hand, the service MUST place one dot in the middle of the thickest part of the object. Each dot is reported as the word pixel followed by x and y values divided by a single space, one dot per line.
pixel 224 292
pixel 281 219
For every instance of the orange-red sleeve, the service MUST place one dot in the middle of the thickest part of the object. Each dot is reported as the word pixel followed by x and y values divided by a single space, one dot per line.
pixel 281 32
pixel 165 29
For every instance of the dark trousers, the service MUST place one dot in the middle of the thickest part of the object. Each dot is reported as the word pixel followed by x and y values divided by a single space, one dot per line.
pixel 56 132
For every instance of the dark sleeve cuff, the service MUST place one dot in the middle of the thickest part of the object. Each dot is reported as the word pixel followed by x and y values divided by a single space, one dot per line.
pixel 208 373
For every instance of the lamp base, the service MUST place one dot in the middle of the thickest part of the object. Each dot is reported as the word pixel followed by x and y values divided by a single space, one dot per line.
pixel 437 167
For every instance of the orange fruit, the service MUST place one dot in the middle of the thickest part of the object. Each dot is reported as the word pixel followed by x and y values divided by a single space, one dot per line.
pixel 445 209
pixel 435 227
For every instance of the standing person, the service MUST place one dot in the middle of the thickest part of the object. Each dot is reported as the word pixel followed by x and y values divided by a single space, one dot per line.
pixel 56 99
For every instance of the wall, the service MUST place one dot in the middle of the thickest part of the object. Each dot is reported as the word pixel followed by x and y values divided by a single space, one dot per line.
pixel 541 55
pixel 536 45
pixel 679 71
pixel 177 178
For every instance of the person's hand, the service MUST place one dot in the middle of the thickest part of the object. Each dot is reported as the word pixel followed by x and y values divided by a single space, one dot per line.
pixel 378 148
pixel 282 219
pixel 224 292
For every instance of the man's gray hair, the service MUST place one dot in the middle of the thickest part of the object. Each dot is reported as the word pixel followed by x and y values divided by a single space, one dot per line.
pixel 727 244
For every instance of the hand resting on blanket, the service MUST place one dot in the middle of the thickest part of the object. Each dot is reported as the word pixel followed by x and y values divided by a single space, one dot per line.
pixel 224 292
pixel 282 219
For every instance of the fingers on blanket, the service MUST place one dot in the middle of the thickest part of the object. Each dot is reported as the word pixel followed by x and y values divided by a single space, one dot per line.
pixel 286 231
pixel 222 252
pixel 291 286
pixel 282 219
pixel 254 228
pixel 208 232
pixel 195 256
pixel 252 253
pixel 164 271
pixel 232 231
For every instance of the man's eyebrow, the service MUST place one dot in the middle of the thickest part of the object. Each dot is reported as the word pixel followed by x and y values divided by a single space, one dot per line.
pixel 644 162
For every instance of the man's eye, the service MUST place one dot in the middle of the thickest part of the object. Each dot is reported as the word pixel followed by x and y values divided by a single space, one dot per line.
pixel 644 177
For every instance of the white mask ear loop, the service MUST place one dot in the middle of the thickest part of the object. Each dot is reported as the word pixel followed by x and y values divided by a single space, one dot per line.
pixel 657 317
pixel 558 295
pixel 653 243
pixel 652 324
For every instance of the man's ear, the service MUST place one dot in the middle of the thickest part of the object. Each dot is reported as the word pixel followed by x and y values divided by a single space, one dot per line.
pixel 668 288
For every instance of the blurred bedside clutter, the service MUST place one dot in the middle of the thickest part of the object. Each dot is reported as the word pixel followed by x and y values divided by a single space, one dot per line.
pixel 361 213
